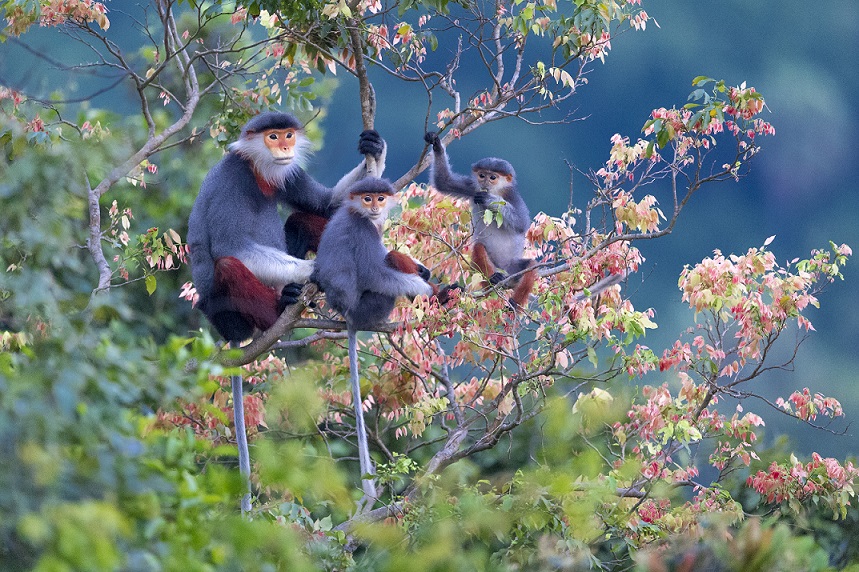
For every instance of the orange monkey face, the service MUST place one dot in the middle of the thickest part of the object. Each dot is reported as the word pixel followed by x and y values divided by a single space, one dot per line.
pixel 281 144
pixel 375 205
pixel 491 181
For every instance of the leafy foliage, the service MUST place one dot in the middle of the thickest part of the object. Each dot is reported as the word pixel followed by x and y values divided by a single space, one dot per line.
pixel 119 433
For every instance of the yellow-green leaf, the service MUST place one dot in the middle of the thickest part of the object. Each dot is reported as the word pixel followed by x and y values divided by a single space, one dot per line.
pixel 151 284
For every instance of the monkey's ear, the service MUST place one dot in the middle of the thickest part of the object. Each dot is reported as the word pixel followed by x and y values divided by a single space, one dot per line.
pixel 509 178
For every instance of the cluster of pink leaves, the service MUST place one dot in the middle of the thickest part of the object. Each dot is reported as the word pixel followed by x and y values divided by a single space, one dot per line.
pixel 821 480
pixel 34 124
pixel 759 296
pixel 15 97
pixel 807 407
pixel 748 300
pixel 686 132
pixel 54 13
pixel 211 416
pixel 624 158
pixel 596 48
pixel 662 424
pixel 57 12
pixel 159 250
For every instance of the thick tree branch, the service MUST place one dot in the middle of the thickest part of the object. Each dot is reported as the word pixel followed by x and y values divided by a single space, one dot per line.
pixel 94 240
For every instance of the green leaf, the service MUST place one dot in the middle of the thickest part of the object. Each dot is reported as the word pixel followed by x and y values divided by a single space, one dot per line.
pixel 151 284
pixel 662 138
pixel 648 153
pixel 696 118
pixel 696 95
pixel 592 356
pixel 528 12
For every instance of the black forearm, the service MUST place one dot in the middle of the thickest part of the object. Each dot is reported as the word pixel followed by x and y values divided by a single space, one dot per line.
pixel 450 183
pixel 308 195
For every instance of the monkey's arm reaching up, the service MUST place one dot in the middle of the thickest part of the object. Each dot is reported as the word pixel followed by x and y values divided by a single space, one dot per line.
pixel 304 193
pixel 442 178
pixel 369 143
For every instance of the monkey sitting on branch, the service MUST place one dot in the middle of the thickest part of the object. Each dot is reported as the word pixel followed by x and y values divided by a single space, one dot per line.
pixel 239 262
pixel 239 257
pixel 362 280
pixel 498 249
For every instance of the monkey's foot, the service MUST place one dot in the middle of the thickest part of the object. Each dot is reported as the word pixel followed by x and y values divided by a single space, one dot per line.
pixel 424 272
pixel 443 295
pixel 497 277
pixel 289 295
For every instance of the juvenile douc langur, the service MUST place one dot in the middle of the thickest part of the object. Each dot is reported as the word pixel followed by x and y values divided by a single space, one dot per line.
pixel 362 280
pixel 313 203
pixel 497 250
pixel 239 262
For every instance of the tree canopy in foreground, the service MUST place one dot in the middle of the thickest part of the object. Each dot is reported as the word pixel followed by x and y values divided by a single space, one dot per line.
pixel 533 440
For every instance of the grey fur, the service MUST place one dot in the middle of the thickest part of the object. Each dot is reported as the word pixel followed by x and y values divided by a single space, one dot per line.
pixel 231 217
pixel 351 270
pixel 241 441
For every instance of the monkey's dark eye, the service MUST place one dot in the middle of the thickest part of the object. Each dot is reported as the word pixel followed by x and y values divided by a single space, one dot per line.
pixel 381 198
pixel 368 199
pixel 493 177
pixel 289 135
pixel 272 136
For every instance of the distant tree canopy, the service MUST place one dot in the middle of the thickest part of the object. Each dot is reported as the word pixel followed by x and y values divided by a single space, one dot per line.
pixel 532 440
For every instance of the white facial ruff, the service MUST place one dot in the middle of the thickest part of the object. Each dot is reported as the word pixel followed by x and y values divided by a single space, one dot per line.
pixel 253 148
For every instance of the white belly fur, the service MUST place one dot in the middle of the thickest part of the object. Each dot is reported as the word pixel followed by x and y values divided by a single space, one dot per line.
pixel 504 248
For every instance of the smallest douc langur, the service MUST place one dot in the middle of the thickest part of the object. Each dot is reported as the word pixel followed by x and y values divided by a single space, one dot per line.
pixel 498 250
pixel 362 280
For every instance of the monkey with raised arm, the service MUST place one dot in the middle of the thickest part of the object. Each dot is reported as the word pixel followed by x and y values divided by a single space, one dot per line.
pixel 239 262
pixel 498 250
pixel 313 203
pixel 239 257
pixel 362 280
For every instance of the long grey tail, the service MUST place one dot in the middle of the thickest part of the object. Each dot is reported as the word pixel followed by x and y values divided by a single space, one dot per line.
pixel 369 485
pixel 241 439
pixel 601 285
